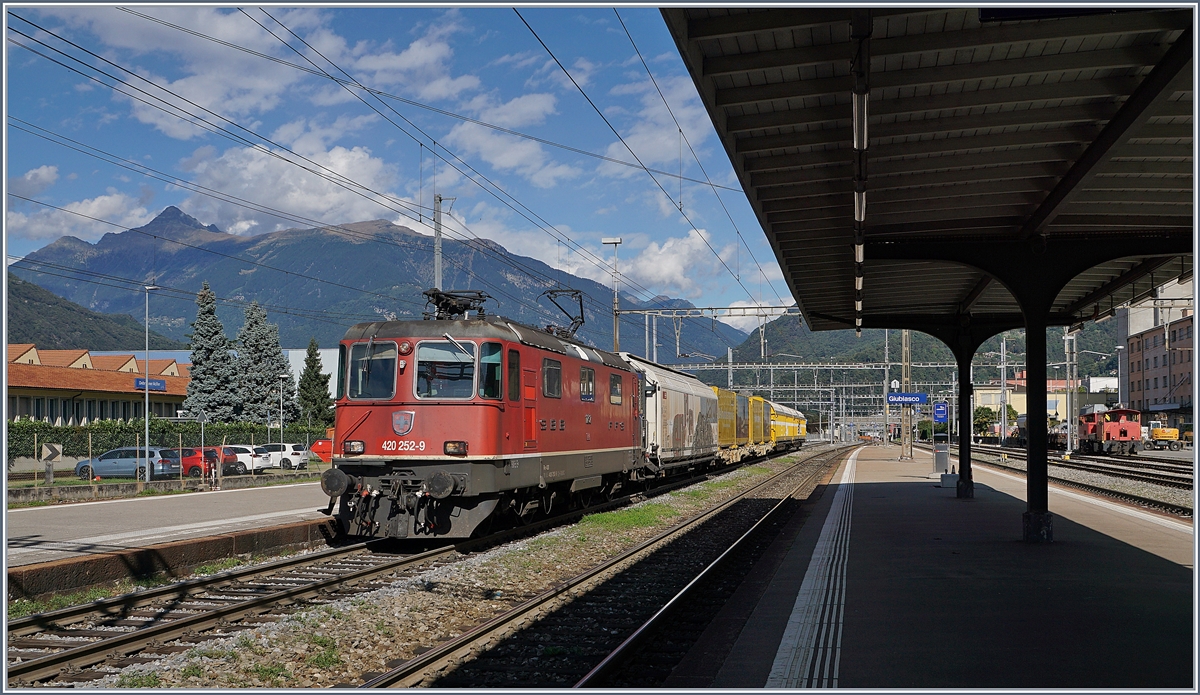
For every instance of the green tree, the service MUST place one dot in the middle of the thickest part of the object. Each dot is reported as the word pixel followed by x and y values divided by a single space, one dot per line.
pixel 984 418
pixel 260 363
pixel 315 404
pixel 213 384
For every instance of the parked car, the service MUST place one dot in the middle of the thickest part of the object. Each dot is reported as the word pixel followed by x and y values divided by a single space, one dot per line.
pixel 287 456
pixel 196 465
pixel 246 458
pixel 130 463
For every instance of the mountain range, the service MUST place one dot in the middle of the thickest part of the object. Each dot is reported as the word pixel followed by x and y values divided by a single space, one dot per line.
pixel 317 282
pixel 43 318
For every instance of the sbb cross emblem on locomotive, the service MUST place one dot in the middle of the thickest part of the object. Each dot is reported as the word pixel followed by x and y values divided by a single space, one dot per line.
pixel 436 417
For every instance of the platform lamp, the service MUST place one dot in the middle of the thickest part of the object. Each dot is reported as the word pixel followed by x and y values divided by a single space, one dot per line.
pixel 282 378
pixel 146 410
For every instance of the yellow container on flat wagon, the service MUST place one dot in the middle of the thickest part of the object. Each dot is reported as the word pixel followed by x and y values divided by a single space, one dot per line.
pixel 726 417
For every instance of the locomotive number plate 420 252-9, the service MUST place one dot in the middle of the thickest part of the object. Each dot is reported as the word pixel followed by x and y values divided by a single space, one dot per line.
pixel 403 445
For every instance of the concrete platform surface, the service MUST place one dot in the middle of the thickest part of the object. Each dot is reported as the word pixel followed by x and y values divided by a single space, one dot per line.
pixel 893 582
pixel 41 534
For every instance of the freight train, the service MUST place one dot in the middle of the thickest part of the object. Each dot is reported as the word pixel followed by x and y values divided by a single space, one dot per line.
pixel 448 425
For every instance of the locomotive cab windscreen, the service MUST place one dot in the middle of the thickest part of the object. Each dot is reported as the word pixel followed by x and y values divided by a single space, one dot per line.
pixel 446 370
pixel 372 370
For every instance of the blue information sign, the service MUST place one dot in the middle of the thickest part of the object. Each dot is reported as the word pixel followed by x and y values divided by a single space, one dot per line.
pixel 907 398
pixel 155 384
pixel 941 412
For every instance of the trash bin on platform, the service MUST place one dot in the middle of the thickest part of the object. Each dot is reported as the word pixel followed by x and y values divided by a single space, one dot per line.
pixel 941 453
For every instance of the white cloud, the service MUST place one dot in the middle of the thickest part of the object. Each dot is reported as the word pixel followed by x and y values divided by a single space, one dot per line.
pixel 423 67
pixel 652 133
pixel 751 323
pixel 33 181
pixel 527 109
pixel 679 266
pixel 510 154
pixel 258 176
pixel 47 224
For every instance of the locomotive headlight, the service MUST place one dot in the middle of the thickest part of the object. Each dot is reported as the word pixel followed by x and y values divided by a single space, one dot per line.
pixel 455 448
pixel 405 348
pixel 353 446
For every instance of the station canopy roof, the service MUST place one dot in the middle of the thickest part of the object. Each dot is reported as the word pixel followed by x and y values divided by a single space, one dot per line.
pixel 1067 127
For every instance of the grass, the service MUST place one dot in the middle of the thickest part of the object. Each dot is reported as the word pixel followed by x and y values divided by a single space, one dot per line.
pixel 219 566
pixel 34 503
pixel 192 671
pixel 21 607
pixel 138 680
pixel 153 492
pixel 273 673
pixel 18 608
pixel 558 651
pixel 250 644
pixel 643 516
pixel 328 656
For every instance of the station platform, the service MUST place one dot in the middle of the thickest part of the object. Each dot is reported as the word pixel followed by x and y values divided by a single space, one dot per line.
pixel 56 532
pixel 887 580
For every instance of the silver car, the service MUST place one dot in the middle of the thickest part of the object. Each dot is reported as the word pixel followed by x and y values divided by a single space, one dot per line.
pixel 129 463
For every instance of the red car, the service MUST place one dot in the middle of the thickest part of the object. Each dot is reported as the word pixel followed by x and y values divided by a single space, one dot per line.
pixel 196 466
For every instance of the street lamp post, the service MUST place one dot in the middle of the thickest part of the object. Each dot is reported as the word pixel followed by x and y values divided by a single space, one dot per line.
pixel 615 241
pixel 146 410
pixel 282 378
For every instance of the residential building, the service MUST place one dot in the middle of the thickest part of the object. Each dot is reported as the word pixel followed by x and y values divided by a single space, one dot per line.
pixel 1160 370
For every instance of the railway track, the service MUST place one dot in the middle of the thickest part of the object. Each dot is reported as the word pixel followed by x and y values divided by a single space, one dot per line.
pixel 604 609
pixel 1095 489
pixel 1170 473
pixel 81 643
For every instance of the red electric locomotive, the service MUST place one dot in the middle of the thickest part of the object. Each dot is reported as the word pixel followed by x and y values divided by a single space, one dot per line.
pixel 444 424
pixel 1116 431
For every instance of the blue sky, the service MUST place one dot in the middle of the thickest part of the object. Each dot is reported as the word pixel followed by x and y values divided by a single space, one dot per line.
pixel 481 63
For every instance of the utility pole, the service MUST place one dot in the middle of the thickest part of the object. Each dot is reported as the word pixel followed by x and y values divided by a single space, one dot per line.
pixel 654 339
pixel 615 241
pixel 437 242
pixel 730 357
pixel 646 334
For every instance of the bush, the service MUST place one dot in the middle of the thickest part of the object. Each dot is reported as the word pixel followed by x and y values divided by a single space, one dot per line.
pixel 110 434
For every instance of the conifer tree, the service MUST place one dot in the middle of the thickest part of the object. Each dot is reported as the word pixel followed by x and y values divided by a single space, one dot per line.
pixel 213 385
pixel 260 361
pixel 315 404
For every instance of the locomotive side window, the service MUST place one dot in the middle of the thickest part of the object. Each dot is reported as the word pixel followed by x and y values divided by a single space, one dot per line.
pixel 514 375
pixel 490 356
pixel 373 370
pixel 341 378
pixel 587 384
pixel 614 389
pixel 445 369
pixel 551 378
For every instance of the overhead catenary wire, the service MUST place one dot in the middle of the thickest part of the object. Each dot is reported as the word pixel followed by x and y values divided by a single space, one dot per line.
pixel 630 150
pixel 684 138
pixel 410 102
pixel 582 251
pixel 491 188
pixel 433 150
pixel 176 111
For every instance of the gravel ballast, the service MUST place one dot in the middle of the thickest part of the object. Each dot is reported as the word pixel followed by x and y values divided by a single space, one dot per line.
pixel 338 642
